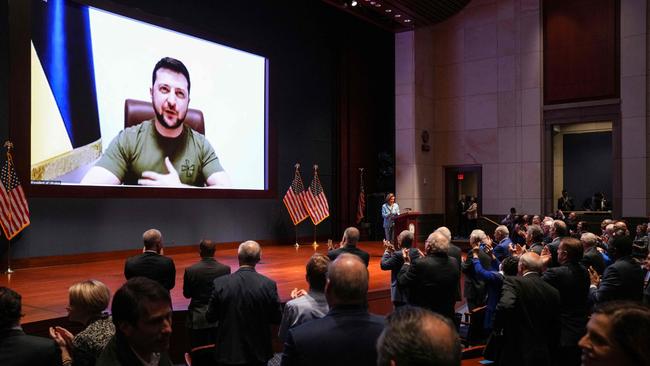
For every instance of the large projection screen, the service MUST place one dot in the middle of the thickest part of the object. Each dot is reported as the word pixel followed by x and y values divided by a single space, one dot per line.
pixel 87 62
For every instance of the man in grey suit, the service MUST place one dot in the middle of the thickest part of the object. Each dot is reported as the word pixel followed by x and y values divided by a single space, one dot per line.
pixel 245 304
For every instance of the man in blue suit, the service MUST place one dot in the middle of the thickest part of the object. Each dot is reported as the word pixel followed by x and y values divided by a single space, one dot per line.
pixel 348 333
pixel 502 237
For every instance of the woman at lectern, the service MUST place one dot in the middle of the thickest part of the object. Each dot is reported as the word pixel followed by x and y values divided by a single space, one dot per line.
pixel 389 211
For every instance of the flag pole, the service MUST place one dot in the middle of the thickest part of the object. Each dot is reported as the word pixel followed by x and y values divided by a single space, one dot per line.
pixel 315 225
pixel 295 227
pixel 9 145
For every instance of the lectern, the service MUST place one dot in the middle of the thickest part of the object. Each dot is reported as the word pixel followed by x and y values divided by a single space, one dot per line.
pixel 407 221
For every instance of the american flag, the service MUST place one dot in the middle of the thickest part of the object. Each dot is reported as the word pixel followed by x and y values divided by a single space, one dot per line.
pixel 14 212
pixel 293 199
pixel 315 200
pixel 361 204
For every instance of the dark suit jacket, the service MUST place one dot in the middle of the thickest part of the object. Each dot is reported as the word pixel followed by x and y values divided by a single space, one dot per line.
pixel 20 349
pixel 432 282
pixel 572 281
pixel 646 291
pixel 118 353
pixel 593 258
pixel 345 336
pixel 528 313
pixel 623 280
pixel 475 288
pixel 553 247
pixel 198 285
pixel 393 262
pixel 245 303
pixel 456 253
pixel 153 266
pixel 365 257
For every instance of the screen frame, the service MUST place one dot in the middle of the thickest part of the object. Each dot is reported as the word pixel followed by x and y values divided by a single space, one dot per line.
pixel 20 116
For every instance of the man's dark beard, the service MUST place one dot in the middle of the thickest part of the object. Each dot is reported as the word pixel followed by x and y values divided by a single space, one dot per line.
pixel 163 123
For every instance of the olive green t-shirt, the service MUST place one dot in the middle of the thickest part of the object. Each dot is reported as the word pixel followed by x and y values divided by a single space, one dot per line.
pixel 141 148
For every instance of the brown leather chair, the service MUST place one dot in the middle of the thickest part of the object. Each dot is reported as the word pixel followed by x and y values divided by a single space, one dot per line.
pixel 137 111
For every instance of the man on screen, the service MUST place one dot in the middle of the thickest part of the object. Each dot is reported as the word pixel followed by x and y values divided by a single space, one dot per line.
pixel 162 151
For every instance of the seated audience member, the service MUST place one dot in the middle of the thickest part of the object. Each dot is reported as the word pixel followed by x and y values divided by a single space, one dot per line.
pixel 528 317
pixel 617 334
pixel 349 245
pixel 623 280
pixel 152 263
pixel 416 336
pixel 392 260
pixel 197 286
pixel 311 305
pixel 245 304
pixel 142 314
pixel 16 347
pixel 592 257
pixel 348 333
pixel 86 305
pixel 431 280
pixel 581 228
pixel 504 244
pixel 475 291
pixel 571 280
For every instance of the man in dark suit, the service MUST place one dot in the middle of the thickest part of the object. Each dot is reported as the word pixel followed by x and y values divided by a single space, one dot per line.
pixel 461 207
pixel 142 314
pixel 591 256
pixel 392 261
pixel 198 285
pixel 535 239
pixel 349 245
pixel 623 280
pixel 558 231
pixel 152 263
pixel 245 304
pixel 571 279
pixel 16 347
pixel 431 280
pixel 528 317
pixel 646 280
pixel 475 287
pixel 348 333
pixel 416 336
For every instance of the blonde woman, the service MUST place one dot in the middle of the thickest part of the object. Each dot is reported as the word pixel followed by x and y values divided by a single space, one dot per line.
pixel 389 211
pixel 87 302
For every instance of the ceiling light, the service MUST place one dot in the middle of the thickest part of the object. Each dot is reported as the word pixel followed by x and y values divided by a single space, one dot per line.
pixel 388 10
pixel 397 15
pixel 407 20
pixel 353 3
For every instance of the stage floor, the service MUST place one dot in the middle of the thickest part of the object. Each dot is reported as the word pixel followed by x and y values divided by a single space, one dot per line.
pixel 45 289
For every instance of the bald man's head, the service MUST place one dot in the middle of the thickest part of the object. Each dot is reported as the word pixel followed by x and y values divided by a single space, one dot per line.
pixel 416 336
pixel 530 262
pixel 347 281
pixel 152 239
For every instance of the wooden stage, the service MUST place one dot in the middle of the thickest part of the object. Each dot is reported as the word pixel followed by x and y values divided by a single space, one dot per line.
pixel 45 289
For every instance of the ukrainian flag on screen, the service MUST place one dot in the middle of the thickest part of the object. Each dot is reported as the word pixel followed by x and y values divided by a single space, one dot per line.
pixel 64 99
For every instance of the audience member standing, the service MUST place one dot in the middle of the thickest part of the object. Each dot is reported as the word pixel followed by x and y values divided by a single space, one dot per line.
pixel 142 314
pixel 623 280
pixel 591 255
pixel 311 305
pixel 16 347
pixel 528 315
pixel 347 335
pixel 571 279
pixel 558 231
pixel 646 280
pixel 198 285
pixel 349 245
pixel 504 244
pixel 87 302
pixel 152 263
pixel 453 252
pixel 392 260
pixel 535 239
pixel 431 280
pixel 245 304
pixel 416 336
pixel 475 290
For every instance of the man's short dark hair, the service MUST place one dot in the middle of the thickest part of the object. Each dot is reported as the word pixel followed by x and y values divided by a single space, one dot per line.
pixel 173 65
pixel 560 228
pixel 622 244
pixel 629 328
pixel 510 265
pixel 409 338
pixel 573 248
pixel 352 234
pixel 130 299
pixel 207 248
pixel 405 238
pixel 10 308
pixel 317 271
pixel 536 233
